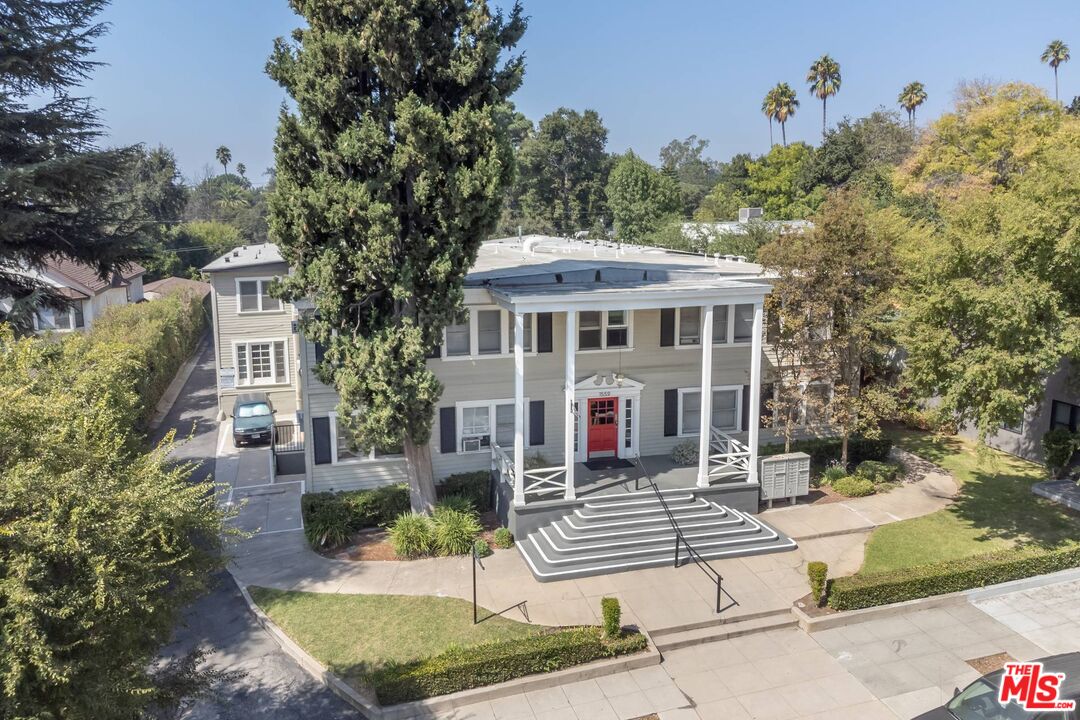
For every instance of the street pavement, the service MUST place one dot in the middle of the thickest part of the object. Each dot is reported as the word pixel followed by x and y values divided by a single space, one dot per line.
pixel 273 686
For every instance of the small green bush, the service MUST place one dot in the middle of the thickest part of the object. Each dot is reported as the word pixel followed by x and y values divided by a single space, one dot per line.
pixel 503 538
pixel 685 453
pixel 454 531
pixel 823 451
pixel 461 668
pixel 852 486
pixel 329 518
pixel 481 547
pixel 878 472
pixel 376 507
pixel 818 574
pixel 612 612
pixel 476 486
pixel 460 503
pixel 871 590
pixel 1058 447
pixel 412 535
pixel 833 473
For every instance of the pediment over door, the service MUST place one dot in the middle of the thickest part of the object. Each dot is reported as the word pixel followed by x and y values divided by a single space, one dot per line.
pixel 608 381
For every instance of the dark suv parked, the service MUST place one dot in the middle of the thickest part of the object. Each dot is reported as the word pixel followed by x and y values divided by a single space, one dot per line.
pixel 253 419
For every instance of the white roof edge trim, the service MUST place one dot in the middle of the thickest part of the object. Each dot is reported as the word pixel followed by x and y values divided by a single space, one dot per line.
pixel 632 299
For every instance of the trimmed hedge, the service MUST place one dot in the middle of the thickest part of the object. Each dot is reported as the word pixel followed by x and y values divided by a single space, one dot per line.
pixel 853 486
pixel 878 472
pixel 823 451
pixel 817 573
pixel 464 668
pixel 476 486
pixel 329 518
pixel 863 591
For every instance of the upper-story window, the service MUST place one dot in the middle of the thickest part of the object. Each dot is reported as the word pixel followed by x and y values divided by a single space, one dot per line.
pixel 485 332
pixel 254 296
pixel 732 325
pixel 604 330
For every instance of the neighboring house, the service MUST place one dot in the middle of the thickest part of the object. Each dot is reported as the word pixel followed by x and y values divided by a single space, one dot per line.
pixel 254 334
pixel 703 233
pixel 87 292
pixel 167 286
pixel 1059 408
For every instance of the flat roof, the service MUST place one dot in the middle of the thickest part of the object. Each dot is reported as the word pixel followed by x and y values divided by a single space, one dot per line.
pixel 246 256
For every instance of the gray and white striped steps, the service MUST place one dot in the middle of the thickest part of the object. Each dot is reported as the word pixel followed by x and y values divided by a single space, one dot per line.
pixel 629 532
pixel 674 638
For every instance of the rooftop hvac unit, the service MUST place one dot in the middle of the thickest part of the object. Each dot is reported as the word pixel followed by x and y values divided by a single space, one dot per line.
pixel 748 214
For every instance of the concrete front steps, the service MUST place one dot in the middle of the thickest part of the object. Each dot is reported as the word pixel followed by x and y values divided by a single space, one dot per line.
pixel 616 533
pixel 721 628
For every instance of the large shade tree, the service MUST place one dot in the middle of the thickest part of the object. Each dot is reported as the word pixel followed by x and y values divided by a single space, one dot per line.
pixel 389 175
pixel 59 194
pixel 643 200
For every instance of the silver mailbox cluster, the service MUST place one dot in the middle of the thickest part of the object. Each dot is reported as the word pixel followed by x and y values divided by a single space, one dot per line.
pixel 785 476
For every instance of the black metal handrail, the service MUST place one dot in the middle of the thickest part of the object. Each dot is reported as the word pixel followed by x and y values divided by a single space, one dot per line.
pixel 680 540
pixel 287 437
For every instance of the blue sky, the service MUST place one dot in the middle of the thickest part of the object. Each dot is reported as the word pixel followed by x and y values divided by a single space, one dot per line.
pixel 189 73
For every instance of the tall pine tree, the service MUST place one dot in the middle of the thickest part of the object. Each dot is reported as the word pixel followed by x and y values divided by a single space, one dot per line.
pixel 389 175
pixel 59 195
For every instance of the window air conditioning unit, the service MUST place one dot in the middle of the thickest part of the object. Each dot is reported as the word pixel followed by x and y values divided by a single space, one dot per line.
pixel 470 444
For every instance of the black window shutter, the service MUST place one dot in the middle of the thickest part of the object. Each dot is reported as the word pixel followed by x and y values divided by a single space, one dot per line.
pixel 435 353
pixel 320 429
pixel 536 422
pixel 667 328
pixel 745 407
pixel 543 332
pixel 671 413
pixel 320 352
pixel 447 430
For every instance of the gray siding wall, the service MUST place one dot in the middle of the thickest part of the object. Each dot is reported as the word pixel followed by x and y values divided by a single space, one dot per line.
pixel 233 327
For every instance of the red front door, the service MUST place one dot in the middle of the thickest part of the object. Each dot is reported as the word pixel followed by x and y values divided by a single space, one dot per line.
pixel 603 427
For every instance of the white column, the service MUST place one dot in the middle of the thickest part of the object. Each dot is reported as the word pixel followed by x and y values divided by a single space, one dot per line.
pixel 568 420
pixel 519 409
pixel 755 393
pixel 706 396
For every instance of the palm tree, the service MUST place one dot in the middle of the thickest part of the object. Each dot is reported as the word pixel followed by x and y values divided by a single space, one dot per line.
pixel 232 197
pixel 786 104
pixel 824 80
pixel 1055 53
pixel 912 96
pixel 768 107
pixel 241 170
pixel 224 156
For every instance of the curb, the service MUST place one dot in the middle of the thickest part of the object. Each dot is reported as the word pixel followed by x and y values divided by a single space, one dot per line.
pixel 851 617
pixel 172 392
pixel 431 707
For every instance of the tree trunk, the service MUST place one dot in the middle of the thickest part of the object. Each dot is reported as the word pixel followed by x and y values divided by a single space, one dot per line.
pixel 843 449
pixel 421 477
pixel 1055 86
pixel 771 143
pixel 783 132
pixel 824 101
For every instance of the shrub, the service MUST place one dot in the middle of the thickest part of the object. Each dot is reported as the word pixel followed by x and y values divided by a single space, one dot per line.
pixel 412 535
pixel 454 531
pixel 503 538
pixel 685 453
pixel 329 516
pixel 834 472
pixel 877 472
pixel 459 503
pixel 822 451
pixel 871 590
pixel 376 507
pixel 612 613
pixel 853 486
pixel 476 486
pixel 461 668
pixel 1058 447
pixel 481 547
pixel 818 574
pixel 327 520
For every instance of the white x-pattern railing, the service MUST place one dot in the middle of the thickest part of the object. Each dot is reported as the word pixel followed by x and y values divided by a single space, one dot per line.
pixel 537 480
pixel 727 456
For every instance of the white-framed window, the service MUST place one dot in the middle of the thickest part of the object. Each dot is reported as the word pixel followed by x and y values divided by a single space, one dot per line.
pixel 344 450
pixel 262 362
pixel 481 422
pixel 732 325
pixel 485 331
pixel 600 330
pixel 60 320
pixel 253 296
pixel 815 405
pixel 726 409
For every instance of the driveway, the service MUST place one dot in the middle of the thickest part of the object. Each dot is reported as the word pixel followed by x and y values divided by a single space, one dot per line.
pixel 273 687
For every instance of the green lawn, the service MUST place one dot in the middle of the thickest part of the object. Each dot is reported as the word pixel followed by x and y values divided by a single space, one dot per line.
pixel 994 511
pixel 354 634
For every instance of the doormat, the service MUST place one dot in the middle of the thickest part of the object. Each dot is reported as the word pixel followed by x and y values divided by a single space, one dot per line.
pixel 608 464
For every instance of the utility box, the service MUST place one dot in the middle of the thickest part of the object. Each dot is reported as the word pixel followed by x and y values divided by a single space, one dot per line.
pixel 785 476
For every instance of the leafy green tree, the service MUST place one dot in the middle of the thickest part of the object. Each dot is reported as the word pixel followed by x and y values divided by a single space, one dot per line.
pixel 1056 52
pixel 389 176
pixel 1074 107
pixel 562 170
pixel 154 184
pixel 786 104
pixel 224 157
pixel 642 199
pixel 729 193
pixel 824 81
pixel 911 97
pixel 857 149
pixel 696 174
pixel 59 195
pixel 774 183
pixel 832 297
